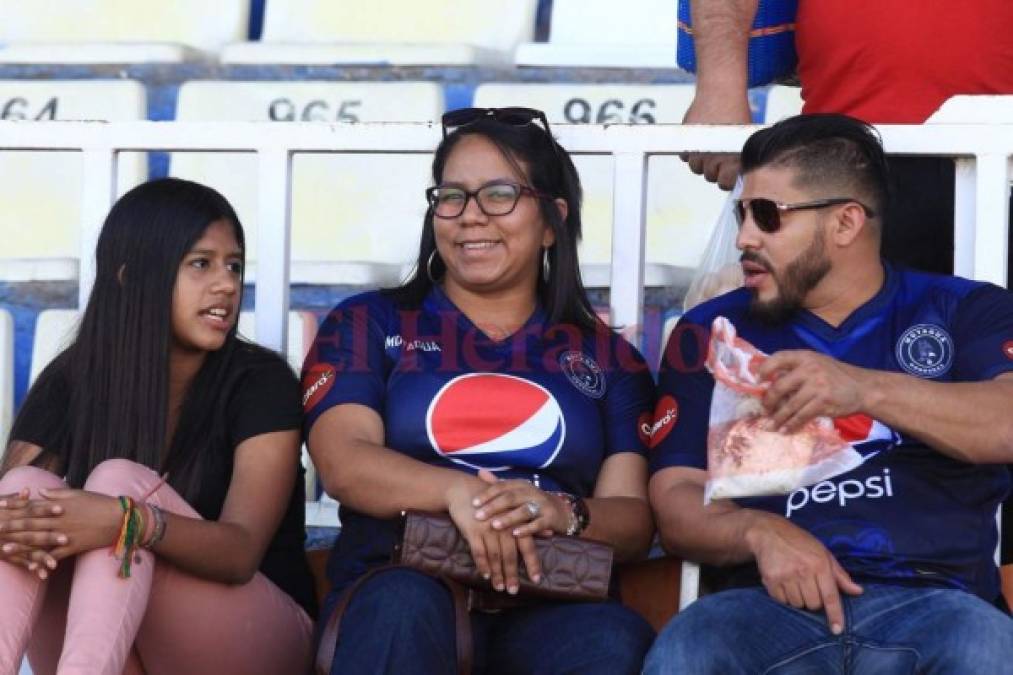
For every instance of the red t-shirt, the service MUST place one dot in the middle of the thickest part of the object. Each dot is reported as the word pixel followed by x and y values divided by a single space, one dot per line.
pixel 897 61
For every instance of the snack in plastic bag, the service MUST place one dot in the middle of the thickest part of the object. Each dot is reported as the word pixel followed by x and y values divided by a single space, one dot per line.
pixel 719 270
pixel 746 456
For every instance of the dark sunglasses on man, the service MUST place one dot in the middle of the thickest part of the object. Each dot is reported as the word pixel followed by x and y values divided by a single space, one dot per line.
pixel 767 212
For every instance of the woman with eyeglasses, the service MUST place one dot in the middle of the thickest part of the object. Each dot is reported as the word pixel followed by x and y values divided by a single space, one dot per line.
pixel 484 387
pixel 151 500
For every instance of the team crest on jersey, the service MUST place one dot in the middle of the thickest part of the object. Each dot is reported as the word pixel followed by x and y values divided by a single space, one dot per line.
pixel 1007 349
pixel 925 350
pixel 495 421
pixel 583 372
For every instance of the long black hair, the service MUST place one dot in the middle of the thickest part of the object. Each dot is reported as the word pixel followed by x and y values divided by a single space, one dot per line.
pixel 115 374
pixel 549 171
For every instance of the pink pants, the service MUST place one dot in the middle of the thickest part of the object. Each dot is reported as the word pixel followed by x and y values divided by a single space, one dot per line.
pixel 85 619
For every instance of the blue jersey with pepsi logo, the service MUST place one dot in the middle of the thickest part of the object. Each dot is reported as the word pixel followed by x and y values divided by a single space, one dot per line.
pixel 908 514
pixel 548 404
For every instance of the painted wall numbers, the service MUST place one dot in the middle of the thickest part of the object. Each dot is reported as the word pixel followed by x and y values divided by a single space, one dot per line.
pixel 20 108
pixel 579 110
pixel 284 109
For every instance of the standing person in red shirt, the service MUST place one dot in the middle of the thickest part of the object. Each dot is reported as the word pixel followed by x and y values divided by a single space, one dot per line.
pixel 888 62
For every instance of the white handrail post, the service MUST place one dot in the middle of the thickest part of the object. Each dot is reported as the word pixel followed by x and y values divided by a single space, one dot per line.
pixel 965 178
pixel 991 218
pixel 629 225
pixel 689 584
pixel 274 190
pixel 98 192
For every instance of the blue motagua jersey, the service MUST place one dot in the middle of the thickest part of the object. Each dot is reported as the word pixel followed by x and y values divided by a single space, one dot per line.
pixel 549 404
pixel 908 515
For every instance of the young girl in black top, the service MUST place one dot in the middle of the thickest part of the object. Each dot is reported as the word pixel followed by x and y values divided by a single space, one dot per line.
pixel 151 505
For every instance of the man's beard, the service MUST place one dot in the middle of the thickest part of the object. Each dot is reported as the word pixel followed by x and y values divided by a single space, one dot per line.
pixel 799 277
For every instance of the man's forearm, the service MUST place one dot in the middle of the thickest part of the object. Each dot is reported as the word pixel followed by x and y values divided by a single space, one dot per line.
pixel 716 534
pixel 721 40
pixel 969 421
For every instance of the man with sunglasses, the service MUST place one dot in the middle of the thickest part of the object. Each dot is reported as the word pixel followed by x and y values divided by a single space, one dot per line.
pixel 887 568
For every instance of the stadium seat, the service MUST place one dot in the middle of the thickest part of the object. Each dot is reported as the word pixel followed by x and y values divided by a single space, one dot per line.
pixel 55 329
pixel 652 588
pixel 599 33
pixel 681 207
pixel 1006 573
pixel 118 31
pixel 40 221
pixel 388 32
pixel 977 109
pixel 355 219
pixel 6 371
pixel 782 101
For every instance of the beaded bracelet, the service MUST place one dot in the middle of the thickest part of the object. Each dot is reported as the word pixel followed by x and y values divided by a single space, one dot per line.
pixel 159 529
pixel 131 530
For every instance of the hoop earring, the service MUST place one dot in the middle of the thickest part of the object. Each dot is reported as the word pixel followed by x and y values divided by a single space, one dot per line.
pixel 546 266
pixel 429 267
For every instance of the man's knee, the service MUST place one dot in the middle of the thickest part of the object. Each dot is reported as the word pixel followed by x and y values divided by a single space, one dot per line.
pixel 690 642
pixel 969 636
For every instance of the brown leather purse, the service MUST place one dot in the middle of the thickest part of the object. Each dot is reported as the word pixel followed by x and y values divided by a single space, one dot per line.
pixel 572 569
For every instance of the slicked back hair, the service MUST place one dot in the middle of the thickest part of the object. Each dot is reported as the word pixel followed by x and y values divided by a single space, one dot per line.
pixel 836 153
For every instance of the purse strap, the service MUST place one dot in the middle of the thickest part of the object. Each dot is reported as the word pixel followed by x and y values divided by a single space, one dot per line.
pixel 462 621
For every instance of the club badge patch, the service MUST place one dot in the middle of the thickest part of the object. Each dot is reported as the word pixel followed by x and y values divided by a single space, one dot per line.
pixel 925 350
pixel 583 372
pixel 1007 349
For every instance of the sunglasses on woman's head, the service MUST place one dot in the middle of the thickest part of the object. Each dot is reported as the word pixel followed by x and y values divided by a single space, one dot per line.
pixel 767 212
pixel 515 117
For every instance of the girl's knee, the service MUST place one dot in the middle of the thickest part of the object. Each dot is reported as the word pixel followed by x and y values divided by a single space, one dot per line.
pixel 113 476
pixel 29 477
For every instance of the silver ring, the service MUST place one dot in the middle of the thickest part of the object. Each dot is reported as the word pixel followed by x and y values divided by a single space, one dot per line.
pixel 533 509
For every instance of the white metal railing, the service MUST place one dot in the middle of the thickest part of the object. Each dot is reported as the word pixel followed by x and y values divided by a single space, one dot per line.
pixel 982 153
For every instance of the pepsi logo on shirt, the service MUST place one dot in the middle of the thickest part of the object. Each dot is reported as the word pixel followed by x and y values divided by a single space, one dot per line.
pixel 495 421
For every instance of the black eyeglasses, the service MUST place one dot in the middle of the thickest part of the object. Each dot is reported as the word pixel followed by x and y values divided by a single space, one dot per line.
pixel 517 117
pixel 495 199
pixel 767 212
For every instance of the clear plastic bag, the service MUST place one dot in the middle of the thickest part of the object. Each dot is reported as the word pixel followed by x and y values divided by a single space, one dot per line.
pixel 746 456
pixel 719 270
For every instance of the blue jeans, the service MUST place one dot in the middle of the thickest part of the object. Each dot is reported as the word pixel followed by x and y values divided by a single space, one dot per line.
pixel 889 630
pixel 403 622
